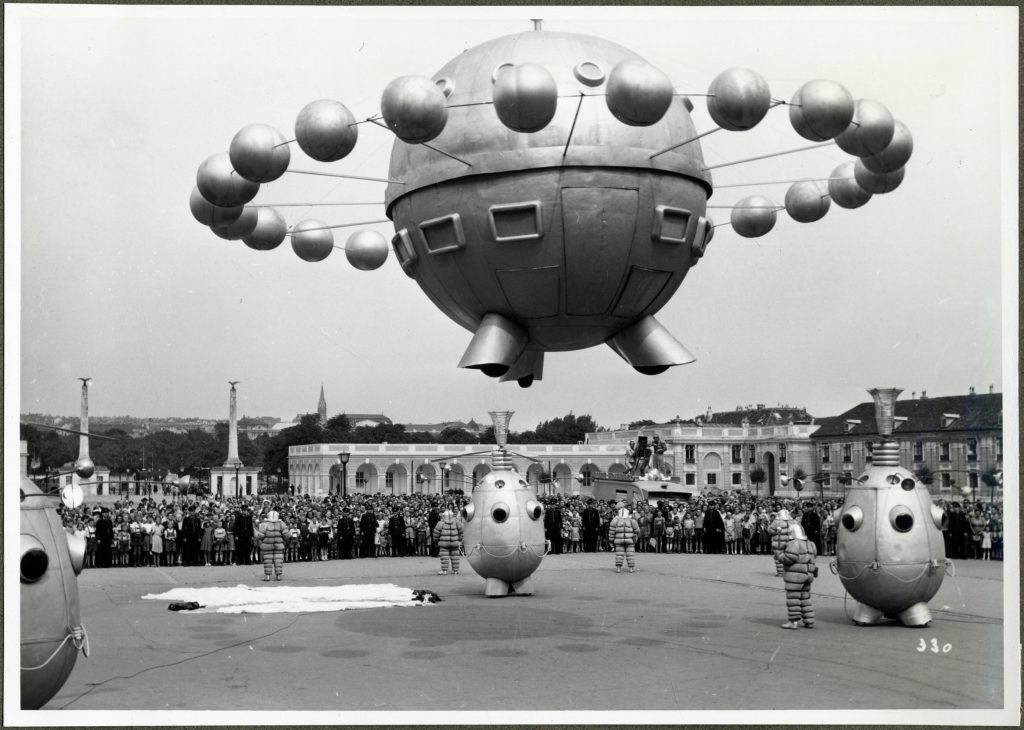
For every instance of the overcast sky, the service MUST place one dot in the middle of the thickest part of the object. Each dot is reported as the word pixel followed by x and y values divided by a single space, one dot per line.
pixel 119 106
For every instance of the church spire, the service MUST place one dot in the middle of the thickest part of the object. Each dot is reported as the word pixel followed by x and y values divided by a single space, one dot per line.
pixel 321 407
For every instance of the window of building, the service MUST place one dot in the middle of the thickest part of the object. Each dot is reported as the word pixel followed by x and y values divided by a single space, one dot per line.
pixel 918 451
pixel 712 478
pixel 389 481
pixel 752 457
pixel 972 449
pixel 588 477
pixel 947 480
pixel 782 453
pixel 948 419
pixel 691 479
pixel 737 455
pixel 944 451
pixel 737 479
pixel 67 479
pixel 826 456
pixel 973 481
pixel 869 450
pixel 847 453
pixel 248 484
pixel 360 480
pixel 99 489
pixel 690 454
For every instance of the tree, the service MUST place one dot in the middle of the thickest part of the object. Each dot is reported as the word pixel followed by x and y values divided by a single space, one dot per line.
pixel 569 429
pixel 924 474
pixel 758 476
pixel 455 435
pixel 990 478
pixel 641 423
pixel 338 429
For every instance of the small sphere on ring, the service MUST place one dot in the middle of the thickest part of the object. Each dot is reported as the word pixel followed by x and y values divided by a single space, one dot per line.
pixel 896 154
pixel 844 188
pixel 312 240
pixel 269 232
pixel 525 97
pixel 366 250
pixel 877 182
pixel 414 109
pixel 753 216
pixel 241 227
pixel 820 110
pixel 259 153
pixel 326 130
pixel 807 201
pixel 638 94
pixel 209 214
pixel 870 130
pixel 221 185
pixel 738 99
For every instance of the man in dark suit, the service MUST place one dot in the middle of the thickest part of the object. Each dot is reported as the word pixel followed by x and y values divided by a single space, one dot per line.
pixel 811 522
pixel 714 529
pixel 367 529
pixel 433 517
pixel 553 526
pixel 396 528
pixel 191 533
pixel 346 533
pixel 104 539
pixel 591 519
pixel 243 529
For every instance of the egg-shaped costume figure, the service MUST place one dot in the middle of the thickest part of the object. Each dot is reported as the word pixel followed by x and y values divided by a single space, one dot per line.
pixel 558 238
pixel 504 532
pixel 51 632
pixel 890 554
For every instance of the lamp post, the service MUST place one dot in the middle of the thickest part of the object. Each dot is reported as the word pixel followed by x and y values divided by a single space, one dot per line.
pixel 238 485
pixel 443 465
pixel 278 479
pixel 343 458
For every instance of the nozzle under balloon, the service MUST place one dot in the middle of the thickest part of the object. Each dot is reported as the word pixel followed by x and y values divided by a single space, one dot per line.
pixel 495 347
pixel 649 347
pixel 529 367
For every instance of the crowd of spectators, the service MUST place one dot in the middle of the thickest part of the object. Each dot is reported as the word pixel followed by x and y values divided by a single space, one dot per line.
pixel 210 530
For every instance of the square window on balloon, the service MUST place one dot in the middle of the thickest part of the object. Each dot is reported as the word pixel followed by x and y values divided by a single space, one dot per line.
pixel 670 224
pixel 444 234
pixel 516 222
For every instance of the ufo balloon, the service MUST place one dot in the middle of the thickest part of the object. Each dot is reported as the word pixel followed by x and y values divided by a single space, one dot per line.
pixel 548 191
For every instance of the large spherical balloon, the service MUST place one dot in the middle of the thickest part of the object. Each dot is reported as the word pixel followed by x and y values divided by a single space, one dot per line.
pixel 312 240
pixel 753 216
pixel 525 97
pixel 844 188
pixel 259 153
pixel 870 130
pixel 638 94
pixel 326 130
pixel 269 232
pixel 221 185
pixel 820 110
pixel 738 99
pixel 807 201
pixel 366 250
pixel 209 214
pixel 877 182
pixel 414 109
pixel 896 154
pixel 245 225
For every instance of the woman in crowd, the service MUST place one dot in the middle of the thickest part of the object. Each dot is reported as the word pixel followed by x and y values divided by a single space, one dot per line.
pixel 156 544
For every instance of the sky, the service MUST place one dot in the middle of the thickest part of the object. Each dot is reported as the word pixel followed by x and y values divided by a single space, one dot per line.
pixel 110 110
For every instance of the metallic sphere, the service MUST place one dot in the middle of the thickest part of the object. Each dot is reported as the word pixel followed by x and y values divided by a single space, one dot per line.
pixel 269 232
pixel 241 227
pixel 366 250
pixel 807 201
pixel 259 153
pixel 326 130
pixel 869 132
pixel 414 109
pixel 85 467
pixel 738 99
pixel 820 110
pixel 209 214
pixel 896 154
pixel 844 188
pixel 312 240
pixel 877 182
pixel 638 94
pixel 221 185
pixel 753 216
pixel 525 97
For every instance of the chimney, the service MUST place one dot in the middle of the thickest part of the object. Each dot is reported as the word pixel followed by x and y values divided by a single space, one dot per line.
pixel 991 389
pixel 913 395
pixel 972 390
pixel 924 394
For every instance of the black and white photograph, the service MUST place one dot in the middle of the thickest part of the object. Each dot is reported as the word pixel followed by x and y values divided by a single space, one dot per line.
pixel 476 365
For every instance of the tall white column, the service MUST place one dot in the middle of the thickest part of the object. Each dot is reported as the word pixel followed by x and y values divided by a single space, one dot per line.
pixel 233 428
pixel 83 438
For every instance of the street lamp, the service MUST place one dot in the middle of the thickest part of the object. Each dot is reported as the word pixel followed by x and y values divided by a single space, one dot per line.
pixel 279 479
pixel 343 458
pixel 444 466
pixel 238 486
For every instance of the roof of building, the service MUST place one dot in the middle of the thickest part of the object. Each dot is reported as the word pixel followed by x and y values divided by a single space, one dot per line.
pixel 378 417
pixel 759 416
pixel 951 413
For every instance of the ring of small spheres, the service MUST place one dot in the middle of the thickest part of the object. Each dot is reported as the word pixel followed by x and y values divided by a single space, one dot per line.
pixel 525 98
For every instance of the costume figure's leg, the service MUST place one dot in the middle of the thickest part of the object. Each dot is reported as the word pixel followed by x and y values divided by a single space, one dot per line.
pixel 630 557
pixel 806 609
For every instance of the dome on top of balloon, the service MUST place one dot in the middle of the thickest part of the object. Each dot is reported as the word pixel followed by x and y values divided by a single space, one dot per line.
pixel 269 231
pixel 896 154
pixel 638 93
pixel 738 99
pixel 239 228
pixel 844 189
pixel 221 185
pixel 414 109
pixel 807 201
pixel 259 153
pixel 525 97
pixel 312 240
pixel 753 216
pixel 326 130
pixel 366 250
pixel 820 110
pixel 870 130
pixel 209 214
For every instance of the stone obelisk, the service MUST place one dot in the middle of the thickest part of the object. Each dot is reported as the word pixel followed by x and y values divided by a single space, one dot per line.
pixel 233 459
pixel 83 438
